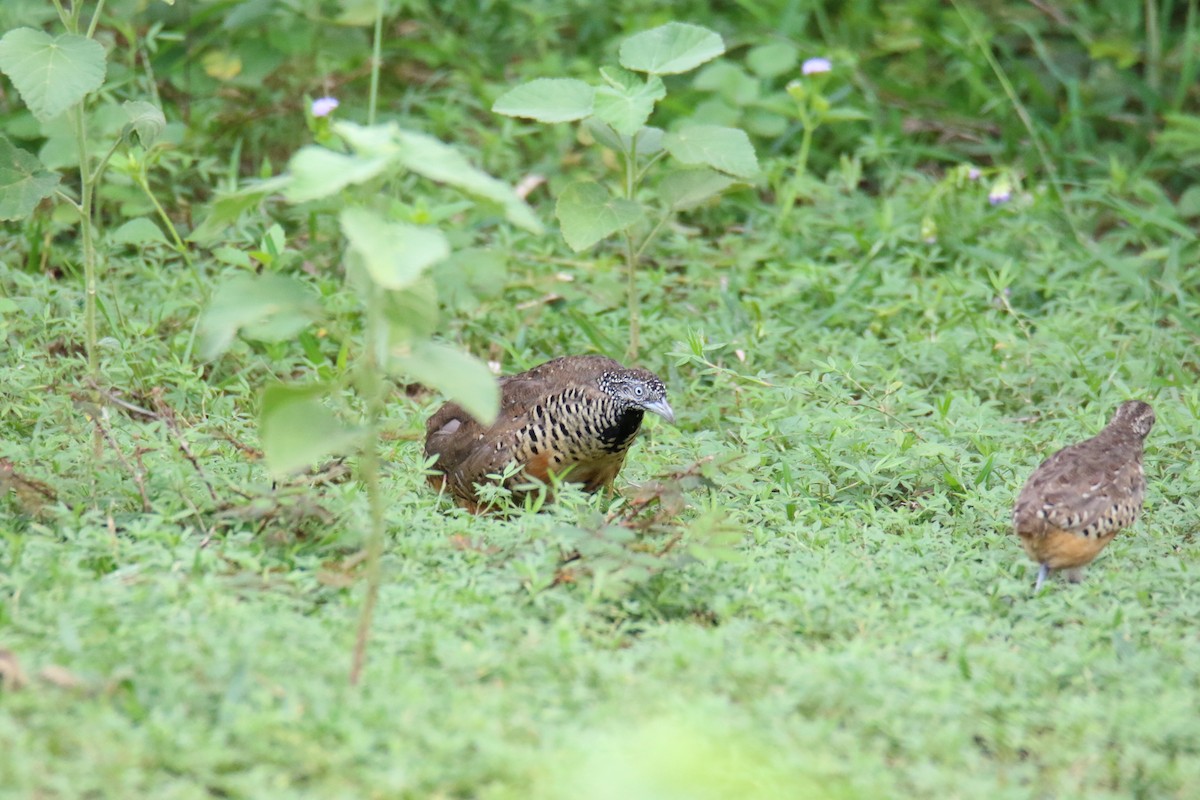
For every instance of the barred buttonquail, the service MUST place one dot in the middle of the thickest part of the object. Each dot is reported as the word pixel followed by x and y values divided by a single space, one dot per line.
pixel 574 417
pixel 1080 497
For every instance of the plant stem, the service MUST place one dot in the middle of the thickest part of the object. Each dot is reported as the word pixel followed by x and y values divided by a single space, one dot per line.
pixel 1153 48
pixel 631 257
pixel 63 16
pixel 91 31
pixel 634 305
pixel 376 62
pixel 792 187
pixel 658 226
pixel 89 246
pixel 371 388
pixel 143 182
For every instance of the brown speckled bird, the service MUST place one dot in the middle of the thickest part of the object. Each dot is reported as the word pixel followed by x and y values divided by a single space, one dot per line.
pixel 1080 497
pixel 574 417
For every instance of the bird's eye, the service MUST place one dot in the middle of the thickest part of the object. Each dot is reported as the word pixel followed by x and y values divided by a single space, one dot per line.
pixel 639 391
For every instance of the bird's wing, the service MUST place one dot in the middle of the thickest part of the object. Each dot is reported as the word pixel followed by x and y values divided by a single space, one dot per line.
pixel 469 452
pixel 1079 488
pixel 450 434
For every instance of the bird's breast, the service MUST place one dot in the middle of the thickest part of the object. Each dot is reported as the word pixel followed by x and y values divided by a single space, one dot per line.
pixel 620 429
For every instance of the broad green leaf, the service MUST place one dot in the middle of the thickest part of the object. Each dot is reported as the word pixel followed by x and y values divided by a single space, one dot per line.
pixel 437 161
pixel 471 275
pixel 412 313
pixel 689 188
pixel 440 162
pixel 670 49
pixel 138 232
pixel 587 213
pixel 146 119
pixel 394 254
pixel 266 307
pixel 603 133
pixel 370 140
pixel 724 149
pixel 547 100
pixel 24 182
pixel 648 139
pixel 766 124
pixel 234 256
pixel 620 78
pixel 730 81
pixel 773 59
pixel 227 208
pixel 715 111
pixel 463 378
pixel 296 430
pixel 626 108
pixel 52 73
pixel 317 172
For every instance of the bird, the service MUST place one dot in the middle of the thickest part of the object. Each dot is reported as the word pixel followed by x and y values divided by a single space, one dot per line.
pixel 573 417
pixel 1079 498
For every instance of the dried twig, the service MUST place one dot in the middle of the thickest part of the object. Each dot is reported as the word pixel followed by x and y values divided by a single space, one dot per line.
pixel 171 420
pixel 137 474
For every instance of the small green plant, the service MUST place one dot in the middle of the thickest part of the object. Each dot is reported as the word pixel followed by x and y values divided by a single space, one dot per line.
pixel 55 76
pixel 711 158
pixel 389 253
pixel 813 107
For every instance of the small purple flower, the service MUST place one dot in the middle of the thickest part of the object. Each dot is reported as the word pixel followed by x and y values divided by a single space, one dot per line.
pixel 1000 194
pixel 973 173
pixel 324 106
pixel 815 66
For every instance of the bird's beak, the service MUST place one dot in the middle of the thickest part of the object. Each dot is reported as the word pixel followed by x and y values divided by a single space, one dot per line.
pixel 662 408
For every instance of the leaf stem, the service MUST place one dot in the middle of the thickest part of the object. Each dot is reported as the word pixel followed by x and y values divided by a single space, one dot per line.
pixel 143 182
pixel 91 31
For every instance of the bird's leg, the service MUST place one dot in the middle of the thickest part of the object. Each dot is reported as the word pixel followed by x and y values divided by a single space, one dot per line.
pixel 1041 578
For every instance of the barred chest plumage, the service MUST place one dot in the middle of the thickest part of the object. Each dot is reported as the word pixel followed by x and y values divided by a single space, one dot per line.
pixel 572 418
pixel 579 426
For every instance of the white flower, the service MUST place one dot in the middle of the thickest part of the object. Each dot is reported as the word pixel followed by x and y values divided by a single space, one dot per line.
pixel 324 106
pixel 814 66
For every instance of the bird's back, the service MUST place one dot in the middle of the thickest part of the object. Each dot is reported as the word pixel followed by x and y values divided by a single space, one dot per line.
pixel 1080 497
pixel 553 418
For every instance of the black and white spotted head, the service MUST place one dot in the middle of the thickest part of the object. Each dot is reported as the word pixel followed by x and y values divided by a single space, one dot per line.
pixel 1134 417
pixel 638 388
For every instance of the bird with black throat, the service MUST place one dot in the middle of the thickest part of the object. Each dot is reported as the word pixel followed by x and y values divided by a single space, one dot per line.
pixel 1082 496
pixel 574 417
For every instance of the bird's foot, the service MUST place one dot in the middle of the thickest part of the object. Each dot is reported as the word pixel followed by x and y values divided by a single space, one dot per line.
pixel 1041 578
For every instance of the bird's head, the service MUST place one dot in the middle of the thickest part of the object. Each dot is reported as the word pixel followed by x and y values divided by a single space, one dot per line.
pixel 1135 416
pixel 638 388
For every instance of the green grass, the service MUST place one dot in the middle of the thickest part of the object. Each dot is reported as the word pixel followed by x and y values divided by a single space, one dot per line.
pixel 870 629
pixel 837 607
